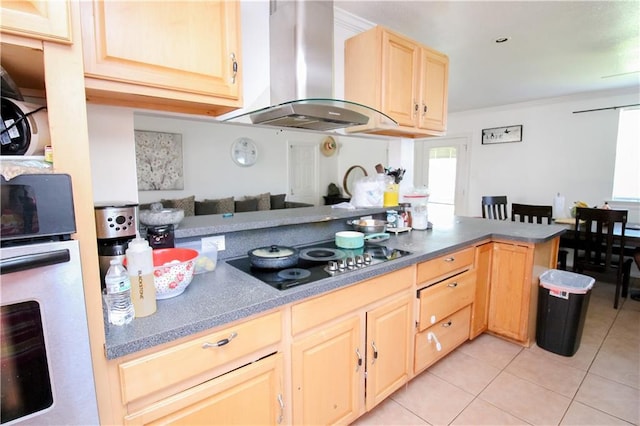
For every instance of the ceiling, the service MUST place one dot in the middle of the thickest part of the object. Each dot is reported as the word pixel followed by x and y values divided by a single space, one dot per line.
pixel 555 48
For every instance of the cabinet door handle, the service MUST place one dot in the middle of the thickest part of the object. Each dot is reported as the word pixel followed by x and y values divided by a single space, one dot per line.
pixel 234 68
pixel 375 353
pixel 453 285
pixel 450 259
pixel 424 109
pixel 281 402
pixel 415 108
pixel 220 342
pixel 447 324
pixel 359 359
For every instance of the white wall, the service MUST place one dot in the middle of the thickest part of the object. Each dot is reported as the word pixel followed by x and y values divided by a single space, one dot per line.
pixel 209 170
pixel 573 154
pixel 561 152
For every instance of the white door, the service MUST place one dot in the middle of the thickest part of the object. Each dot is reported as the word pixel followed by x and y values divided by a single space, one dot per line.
pixel 441 164
pixel 303 173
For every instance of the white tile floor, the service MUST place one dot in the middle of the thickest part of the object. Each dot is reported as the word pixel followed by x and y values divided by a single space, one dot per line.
pixel 489 381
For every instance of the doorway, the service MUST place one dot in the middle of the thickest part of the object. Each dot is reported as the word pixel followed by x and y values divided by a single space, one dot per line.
pixel 442 166
pixel 303 173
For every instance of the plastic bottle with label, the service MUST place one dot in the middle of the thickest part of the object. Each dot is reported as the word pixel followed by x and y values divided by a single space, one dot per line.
pixel 140 265
pixel 117 294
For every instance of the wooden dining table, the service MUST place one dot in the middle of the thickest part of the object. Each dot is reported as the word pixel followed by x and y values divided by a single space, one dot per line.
pixel 631 235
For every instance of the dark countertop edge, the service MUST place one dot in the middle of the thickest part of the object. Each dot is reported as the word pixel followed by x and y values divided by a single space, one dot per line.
pixel 333 283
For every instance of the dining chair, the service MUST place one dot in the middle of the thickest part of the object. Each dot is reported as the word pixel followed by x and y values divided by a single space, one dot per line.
pixel 596 249
pixel 494 207
pixel 536 214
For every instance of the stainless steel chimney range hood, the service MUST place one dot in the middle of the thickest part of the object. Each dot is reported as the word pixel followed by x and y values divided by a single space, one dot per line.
pixel 301 69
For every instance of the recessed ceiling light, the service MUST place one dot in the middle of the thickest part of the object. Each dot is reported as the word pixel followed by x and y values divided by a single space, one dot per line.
pixel 502 39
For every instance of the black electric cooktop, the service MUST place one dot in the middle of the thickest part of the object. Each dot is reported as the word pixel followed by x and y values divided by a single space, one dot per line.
pixel 318 261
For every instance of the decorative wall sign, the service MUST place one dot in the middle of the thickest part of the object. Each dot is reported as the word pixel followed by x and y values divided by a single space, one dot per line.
pixel 159 161
pixel 502 134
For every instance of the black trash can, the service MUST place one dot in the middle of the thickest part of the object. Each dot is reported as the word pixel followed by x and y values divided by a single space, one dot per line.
pixel 563 299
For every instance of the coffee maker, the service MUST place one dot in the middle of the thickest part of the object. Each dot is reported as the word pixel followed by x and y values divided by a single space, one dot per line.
pixel 116 225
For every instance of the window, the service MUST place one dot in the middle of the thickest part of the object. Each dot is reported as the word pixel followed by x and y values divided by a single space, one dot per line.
pixel 626 178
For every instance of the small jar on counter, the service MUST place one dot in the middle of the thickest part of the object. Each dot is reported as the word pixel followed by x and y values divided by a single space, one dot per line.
pixel 405 215
pixel 392 219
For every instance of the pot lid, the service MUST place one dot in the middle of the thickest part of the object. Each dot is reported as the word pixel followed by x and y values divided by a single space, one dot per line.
pixel 273 252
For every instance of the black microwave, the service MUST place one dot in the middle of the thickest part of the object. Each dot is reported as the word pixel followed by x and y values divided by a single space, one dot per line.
pixel 36 207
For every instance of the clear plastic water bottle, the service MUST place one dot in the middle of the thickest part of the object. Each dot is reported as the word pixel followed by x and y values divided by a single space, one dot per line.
pixel 118 294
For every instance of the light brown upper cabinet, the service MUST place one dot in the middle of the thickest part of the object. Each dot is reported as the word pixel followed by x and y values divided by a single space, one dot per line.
pixel 172 55
pixel 42 20
pixel 402 78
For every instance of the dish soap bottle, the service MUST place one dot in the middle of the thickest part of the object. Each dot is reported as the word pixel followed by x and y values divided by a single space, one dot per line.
pixel 117 294
pixel 140 265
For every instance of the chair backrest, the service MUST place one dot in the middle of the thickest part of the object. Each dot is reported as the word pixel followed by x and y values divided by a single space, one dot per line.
pixel 494 207
pixel 531 213
pixel 595 242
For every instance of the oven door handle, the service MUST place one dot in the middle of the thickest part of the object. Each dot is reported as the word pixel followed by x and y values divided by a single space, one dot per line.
pixel 33 261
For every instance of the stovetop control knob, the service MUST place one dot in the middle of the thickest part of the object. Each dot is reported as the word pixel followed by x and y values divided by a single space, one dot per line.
pixel 332 266
pixel 359 260
pixel 341 264
pixel 367 258
pixel 351 263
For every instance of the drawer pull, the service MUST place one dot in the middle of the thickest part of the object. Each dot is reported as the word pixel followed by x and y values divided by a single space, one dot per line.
pixel 359 359
pixel 450 259
pixel 281 402
pixel 447 324
pixel 431 336
pixel 453 285
pixel 220 342
pixel 375 353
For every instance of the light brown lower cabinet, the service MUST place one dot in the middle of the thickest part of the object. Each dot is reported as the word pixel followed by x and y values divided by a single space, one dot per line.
pixel 480 308
pixel 364 352
pixel 509 299
pixel 209 379
pixel 513 296
pixel 251 395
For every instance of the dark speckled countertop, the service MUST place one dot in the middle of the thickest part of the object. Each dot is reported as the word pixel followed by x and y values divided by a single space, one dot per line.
pixel 227 294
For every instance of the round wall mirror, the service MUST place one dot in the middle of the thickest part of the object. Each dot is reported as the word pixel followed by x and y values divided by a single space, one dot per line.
pixel 354 173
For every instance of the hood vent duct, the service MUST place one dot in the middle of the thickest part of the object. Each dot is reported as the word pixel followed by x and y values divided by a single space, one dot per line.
pixel 301 68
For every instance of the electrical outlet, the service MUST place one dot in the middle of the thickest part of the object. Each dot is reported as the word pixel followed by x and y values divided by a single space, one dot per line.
pixel 217 242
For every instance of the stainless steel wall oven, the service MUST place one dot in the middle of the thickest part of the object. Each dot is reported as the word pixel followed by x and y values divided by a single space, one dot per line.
pixel 46 370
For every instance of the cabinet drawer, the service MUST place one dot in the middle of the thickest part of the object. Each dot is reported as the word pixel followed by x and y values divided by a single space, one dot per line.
pixel 449 333
pixel 442 299
pixel 443 265
pixel 151 373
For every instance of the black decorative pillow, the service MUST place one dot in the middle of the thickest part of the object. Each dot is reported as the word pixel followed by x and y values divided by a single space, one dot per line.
pixel 219 206
pixel 187 204
pixel 277 201
pixel 264 201
pixel 246 205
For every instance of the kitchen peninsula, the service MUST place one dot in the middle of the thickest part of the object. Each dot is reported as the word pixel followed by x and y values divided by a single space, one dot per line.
pixel 228 323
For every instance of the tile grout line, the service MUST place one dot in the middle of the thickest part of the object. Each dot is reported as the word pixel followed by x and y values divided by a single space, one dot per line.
pixel 573 398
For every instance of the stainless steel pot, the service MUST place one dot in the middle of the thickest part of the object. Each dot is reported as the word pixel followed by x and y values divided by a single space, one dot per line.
pixel 273 257
pixel 369 226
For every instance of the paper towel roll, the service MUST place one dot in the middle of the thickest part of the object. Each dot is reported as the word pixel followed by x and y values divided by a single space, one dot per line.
pixel 558 206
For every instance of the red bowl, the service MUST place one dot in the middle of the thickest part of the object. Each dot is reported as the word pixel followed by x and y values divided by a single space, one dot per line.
pixel 173 270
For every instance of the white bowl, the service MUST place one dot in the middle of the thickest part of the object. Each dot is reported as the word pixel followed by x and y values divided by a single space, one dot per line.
pixel 173 270
pixel 161 217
